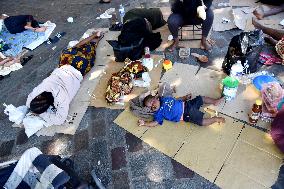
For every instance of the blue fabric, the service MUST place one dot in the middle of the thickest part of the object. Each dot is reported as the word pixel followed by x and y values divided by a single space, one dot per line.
pixel 16 42
pixel 171 109
pixel 41 162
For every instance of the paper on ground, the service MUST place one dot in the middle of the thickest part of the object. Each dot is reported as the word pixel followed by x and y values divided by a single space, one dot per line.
pixel 50 27
pixel 221 13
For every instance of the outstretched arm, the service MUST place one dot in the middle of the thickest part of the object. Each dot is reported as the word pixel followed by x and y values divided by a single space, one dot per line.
pixel 88 39
pixel 141 122
pixel 185 98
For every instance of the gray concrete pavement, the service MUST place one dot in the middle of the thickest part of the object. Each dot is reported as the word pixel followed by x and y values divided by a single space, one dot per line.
pixel 120 159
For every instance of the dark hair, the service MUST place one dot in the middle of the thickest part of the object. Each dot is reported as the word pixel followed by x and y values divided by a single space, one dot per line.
pixel 146 99
pixel 41 102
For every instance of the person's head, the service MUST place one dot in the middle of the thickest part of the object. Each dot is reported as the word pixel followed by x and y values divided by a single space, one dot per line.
pixel 152 102
pixel 41 103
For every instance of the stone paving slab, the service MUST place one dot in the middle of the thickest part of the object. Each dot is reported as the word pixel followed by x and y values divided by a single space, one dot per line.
pixel 98 143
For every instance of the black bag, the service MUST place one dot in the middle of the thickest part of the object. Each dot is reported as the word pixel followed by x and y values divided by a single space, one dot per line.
pixel 133 52
pixel 244 47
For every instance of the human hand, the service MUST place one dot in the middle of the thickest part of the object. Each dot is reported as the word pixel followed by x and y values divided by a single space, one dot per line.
pixel 141 122
pixel 41 29
pixel 188 96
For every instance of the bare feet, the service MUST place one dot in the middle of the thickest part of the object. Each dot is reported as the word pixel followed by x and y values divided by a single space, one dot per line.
pixel 174 45
pixel 217 101
pixel 259 13
pixel 219 119
pixel 206 44
pixel 270 40
pixel 256 24
pixel 201 58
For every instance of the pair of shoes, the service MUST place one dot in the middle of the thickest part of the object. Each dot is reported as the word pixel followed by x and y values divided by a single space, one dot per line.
pixel 56 38
pixel 103 1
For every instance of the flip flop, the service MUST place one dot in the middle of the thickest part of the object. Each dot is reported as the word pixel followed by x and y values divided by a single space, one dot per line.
pixel 57 37
pixel 201 58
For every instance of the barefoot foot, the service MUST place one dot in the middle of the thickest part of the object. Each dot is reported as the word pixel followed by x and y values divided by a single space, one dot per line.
pixel 218 101
pixel 173 46
pixel 220 119
pixel 256 24
pixel 259 13
pixel 205 45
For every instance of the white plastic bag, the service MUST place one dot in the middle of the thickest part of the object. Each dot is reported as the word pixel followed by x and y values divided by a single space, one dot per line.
pixel 32 124
pixel 1 24
pixel 146 81
pixel 16 115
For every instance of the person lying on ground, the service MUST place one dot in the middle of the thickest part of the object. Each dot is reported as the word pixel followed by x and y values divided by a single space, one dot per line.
pixel 260 13
pixel 50 100
pixel 175 110
pixel 20 23
pixel 138 24
pixel 82 56
pixel 153 17
pixel 184 12
pixel 275 37
pixel 8 61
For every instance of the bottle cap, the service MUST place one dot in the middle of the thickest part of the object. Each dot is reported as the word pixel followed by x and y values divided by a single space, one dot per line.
pixel 258 102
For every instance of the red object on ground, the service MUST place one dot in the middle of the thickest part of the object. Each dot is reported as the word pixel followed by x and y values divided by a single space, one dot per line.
pixel 277 130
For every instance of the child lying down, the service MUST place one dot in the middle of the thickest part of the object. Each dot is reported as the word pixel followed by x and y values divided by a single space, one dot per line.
pixel 184 108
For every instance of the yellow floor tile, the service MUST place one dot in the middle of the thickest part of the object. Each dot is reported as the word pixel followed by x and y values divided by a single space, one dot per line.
pixel 260 140
pixel 257 164
pixel 206 148
pixel 231 178
pixel 167 138
pixel 128 121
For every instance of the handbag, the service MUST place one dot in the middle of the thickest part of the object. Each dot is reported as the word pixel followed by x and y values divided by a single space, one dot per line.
pixel 133 52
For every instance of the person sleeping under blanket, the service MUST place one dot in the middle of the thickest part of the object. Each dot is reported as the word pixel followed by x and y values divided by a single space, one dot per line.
pixel 50 100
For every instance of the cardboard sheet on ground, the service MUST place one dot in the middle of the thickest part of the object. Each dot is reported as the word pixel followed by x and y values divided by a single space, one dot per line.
pixel 241 106
pixel 169 137
pixel 128 121
pixel 81 101
pixel 273 21
pixel 206 148
pixel 255 167
pixel 205 83
pixel 243 18
pixel 99 92
pixel 187 44
pixel 219 14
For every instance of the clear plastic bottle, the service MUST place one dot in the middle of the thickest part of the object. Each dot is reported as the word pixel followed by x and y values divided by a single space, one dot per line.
pixel 121 12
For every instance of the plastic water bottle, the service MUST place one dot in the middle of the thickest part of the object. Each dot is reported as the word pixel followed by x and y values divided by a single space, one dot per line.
pixel 121 12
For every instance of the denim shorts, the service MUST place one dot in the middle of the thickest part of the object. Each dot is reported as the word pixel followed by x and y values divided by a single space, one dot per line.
pixel 191 111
